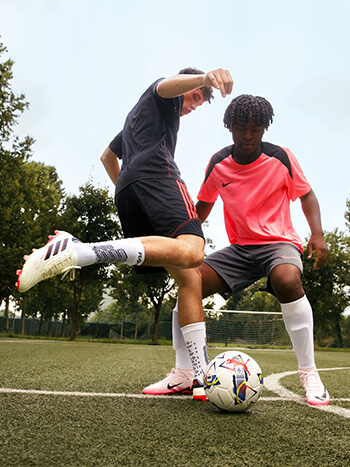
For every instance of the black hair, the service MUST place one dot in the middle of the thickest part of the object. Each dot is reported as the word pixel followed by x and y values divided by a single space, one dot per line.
pixel 207 90
pixel 245 107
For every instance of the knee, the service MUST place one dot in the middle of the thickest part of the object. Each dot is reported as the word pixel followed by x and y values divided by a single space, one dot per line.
pixel 287 287
pixel 193 259
pixel 192 253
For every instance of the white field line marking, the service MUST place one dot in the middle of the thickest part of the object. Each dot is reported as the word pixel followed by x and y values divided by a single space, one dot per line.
pixel 110 394
pixel 272 383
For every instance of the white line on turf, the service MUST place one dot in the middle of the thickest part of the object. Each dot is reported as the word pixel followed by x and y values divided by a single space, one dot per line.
pixel 272 383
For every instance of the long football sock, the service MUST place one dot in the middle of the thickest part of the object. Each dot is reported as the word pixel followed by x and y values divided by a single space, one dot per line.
pixel 127 250
pixel 298 320
pixel 195 339
pixel 182 359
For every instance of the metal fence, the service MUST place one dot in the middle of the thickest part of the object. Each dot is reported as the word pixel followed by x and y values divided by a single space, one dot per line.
pixel 33 327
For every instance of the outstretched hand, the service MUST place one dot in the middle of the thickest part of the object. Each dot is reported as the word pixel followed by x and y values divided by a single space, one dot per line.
pixel 318 244
pixel 220 79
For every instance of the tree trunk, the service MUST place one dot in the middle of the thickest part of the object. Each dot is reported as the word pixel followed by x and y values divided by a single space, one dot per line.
pixel 7 304
pixel 339 337
pixel 75 312
pixel 63 324
pixel 40 324
pixel 23 314
pixel 156 323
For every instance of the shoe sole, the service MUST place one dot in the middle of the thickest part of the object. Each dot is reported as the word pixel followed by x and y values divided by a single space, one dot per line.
pixel 200 398
pixel 199 394
pixel 315 404
pixel 165 393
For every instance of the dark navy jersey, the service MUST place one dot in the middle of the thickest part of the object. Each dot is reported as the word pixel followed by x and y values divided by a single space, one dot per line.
pixel 147 142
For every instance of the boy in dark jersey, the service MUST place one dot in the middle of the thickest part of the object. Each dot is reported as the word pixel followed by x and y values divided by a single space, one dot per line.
pixel 155 209
pixel 256 182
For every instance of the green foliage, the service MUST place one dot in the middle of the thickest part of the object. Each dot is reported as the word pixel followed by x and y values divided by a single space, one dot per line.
pixel 328 288
pixel 253 299
pixel 30 192
pixel 137 294
pixel 11 106
pixel 91 217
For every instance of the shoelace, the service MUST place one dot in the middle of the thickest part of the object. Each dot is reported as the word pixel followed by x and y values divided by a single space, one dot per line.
pixel 312 381
pixel 71 270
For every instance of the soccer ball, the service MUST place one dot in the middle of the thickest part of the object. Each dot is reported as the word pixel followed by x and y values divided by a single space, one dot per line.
pixel 233 381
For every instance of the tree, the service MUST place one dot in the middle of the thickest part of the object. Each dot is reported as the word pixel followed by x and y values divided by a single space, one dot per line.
pixel 30 192
pixel 328 288
pixel 91 217
pixel 253 298
pixel 133 291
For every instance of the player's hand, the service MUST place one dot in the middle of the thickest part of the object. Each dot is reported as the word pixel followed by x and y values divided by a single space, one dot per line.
pixel 220 79
pixel 318 244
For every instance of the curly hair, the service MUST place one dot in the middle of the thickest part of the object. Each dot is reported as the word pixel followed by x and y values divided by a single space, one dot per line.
pixel 243 108
pixel 207 90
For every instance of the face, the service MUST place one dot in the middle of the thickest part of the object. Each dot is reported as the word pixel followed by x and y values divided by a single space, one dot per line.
pixel 247 138
pixel 192 100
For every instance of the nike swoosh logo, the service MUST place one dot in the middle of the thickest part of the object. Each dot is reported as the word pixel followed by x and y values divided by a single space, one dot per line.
pixel 225 184
pixel 174 386
pixel 288 257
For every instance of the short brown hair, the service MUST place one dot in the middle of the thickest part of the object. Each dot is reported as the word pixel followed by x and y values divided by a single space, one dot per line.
pixel 207 90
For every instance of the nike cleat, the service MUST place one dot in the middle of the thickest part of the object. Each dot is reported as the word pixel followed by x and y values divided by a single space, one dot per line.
pixel 56 257
pixel 198 391
pixel 178 381
pixel 316 393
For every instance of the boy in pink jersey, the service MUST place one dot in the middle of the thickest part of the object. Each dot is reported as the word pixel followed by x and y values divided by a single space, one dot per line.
pixel 256 181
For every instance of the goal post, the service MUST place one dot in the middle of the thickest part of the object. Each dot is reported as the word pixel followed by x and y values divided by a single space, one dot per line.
pixel 236 327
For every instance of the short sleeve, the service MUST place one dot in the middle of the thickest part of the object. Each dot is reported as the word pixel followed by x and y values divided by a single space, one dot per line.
pixel 208 192
pixel 116 145
pixel 297 184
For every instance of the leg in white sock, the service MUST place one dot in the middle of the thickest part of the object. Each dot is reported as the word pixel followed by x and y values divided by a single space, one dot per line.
pixel 195 339
pixel 182 358
pixel 298 320
pixel 127 250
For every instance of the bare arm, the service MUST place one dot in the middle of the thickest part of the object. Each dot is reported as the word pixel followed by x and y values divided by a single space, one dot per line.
pixel 317 242
pixel 203 210
pixel 180 84
pixel 111 164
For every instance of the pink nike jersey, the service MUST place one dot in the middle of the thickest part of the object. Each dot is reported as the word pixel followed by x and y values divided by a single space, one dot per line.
pixel 256 196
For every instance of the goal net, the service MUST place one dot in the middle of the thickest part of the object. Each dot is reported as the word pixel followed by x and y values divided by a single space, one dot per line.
pixel 231 327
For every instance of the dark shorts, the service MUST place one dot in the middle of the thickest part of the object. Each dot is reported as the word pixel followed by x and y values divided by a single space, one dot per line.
pixel 240 266
pixel 157 207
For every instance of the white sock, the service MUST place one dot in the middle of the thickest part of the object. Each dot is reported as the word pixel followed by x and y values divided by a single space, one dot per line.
pixel 127 250
pixel 182 359
pixel 298 320
pixel 195 339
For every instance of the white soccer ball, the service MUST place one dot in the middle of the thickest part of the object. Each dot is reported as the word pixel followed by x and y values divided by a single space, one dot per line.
pixel 233 381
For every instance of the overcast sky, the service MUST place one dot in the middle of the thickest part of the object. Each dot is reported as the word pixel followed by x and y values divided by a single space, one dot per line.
pixel 83 64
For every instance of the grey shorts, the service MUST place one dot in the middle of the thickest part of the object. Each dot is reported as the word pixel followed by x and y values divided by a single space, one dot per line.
pixel 240 266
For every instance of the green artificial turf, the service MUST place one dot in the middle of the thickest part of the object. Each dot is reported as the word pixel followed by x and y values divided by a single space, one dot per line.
pixel 52 430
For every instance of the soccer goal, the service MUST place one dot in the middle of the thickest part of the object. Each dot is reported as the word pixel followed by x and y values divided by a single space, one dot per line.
pixel 232 327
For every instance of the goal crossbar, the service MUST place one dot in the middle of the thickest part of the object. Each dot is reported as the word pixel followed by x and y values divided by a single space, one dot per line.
pixel 246 312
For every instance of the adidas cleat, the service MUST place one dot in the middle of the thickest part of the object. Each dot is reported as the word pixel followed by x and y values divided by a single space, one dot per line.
pixel 56 257
pixel 316 393
pixel 178 381
pixel 198 391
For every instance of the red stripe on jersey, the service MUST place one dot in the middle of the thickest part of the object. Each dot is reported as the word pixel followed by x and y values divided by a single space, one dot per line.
pixel 191 210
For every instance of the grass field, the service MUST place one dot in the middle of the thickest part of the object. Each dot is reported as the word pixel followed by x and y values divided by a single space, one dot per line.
pixel 80 404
